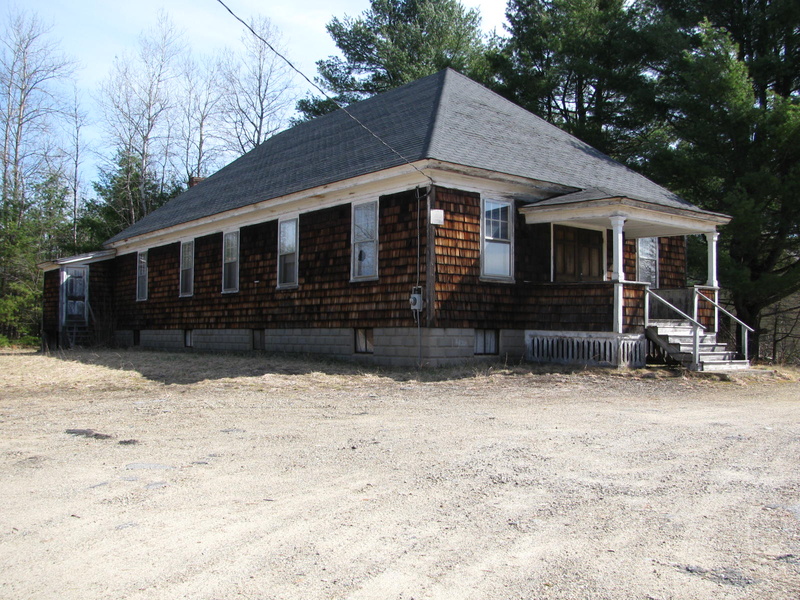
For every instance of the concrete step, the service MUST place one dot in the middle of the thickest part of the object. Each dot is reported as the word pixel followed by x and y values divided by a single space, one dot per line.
pixel 725 365
pixel 676 338
pixel 687 357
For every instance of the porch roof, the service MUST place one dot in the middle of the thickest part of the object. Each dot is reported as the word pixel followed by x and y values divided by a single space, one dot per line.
pixel 76 260
pixel 595 207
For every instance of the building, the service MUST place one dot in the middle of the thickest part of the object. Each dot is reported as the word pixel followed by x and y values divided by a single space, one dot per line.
pixel 430 224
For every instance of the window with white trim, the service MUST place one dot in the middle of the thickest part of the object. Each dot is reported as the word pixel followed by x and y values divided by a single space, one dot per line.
pixel 497 230
pixel 230 262
pixel 365 241
pixel 141 275
pixel 647 260
pixel 187 268
pixel 287 253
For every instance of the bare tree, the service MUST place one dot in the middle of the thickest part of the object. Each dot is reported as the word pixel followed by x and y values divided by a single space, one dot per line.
pixel 258 90
pixel 200 117
pixel 30 68
pixel 75 147
pixel 136 101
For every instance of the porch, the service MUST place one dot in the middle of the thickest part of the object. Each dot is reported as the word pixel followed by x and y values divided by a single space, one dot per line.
pixel 648 325
pixel 639 306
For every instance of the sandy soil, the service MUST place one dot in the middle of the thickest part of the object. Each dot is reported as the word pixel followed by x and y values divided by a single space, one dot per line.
pixel 263 477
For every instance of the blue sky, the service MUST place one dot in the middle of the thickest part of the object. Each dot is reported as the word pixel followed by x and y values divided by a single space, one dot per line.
pixel 93 32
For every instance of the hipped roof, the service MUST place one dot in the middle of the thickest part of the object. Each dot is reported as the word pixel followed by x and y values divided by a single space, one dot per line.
pixel 445 117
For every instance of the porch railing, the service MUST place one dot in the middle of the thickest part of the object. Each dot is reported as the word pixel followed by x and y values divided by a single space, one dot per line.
pixel 746 329
pixel 696 326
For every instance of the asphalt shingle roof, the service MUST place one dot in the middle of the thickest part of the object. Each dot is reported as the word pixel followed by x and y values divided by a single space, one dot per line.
pixel 445 116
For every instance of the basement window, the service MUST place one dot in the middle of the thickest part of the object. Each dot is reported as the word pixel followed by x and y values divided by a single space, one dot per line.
pixel 486 341
pixel 364 341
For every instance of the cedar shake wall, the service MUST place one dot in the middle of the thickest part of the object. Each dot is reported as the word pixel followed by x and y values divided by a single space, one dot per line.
pixel 672 262
pixel 101 301
pixel 324 297
pixel 706 310
pixel 50 301
pixel 633 308
pixel 464 301
pixel 628 258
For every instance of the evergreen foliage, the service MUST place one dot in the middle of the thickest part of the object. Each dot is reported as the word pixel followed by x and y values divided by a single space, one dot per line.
pixel 396 42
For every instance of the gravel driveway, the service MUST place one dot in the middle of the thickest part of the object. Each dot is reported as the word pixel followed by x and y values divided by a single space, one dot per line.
pixel 209 477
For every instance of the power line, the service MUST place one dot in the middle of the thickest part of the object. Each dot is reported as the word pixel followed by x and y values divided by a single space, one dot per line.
pixel 324 93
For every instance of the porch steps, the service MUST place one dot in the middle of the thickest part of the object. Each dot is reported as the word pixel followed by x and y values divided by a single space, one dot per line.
pixel 75 336
pixel 676 339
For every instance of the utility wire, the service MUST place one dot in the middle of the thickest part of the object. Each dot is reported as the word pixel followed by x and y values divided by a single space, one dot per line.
pixel 324 93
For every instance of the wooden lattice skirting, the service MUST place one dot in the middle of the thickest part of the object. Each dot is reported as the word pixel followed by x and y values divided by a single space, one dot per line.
pixel 586 348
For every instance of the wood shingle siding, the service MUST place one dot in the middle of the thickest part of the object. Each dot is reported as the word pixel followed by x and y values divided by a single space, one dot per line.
pixel 50 302
pixel 325 296
pixel 466 301
pixel 672 262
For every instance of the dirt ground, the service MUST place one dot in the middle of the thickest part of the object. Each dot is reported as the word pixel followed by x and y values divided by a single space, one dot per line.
pixel 144 475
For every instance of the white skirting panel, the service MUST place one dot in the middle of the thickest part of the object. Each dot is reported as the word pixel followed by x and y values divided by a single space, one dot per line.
pixel 586 348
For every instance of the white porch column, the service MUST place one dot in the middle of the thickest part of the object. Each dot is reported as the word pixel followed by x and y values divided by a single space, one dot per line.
pixel 618 271
pixel 711 238
pixel 617 268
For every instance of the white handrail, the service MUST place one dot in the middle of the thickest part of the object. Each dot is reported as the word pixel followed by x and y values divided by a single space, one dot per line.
pixel 675 309
pixel 696 327
pixel 745 326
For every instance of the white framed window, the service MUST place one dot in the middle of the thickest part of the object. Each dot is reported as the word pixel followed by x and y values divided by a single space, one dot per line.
pixel 647 260
pixel 230 262
pixel 497 234
pixel 287 252
pixel 141 276
pixel 365 241
pixel 187 268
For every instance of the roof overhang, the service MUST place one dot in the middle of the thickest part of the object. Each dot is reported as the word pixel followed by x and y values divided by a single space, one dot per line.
pixel 77 261
pixel 642 219
pixel 420 173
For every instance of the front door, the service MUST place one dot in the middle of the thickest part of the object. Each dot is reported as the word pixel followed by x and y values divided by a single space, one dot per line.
pixel 74 291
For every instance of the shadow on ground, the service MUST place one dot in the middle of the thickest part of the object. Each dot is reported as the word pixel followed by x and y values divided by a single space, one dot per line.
pixel 193 367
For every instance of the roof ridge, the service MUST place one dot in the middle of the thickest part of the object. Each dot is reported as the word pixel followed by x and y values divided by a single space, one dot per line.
pixel 437 111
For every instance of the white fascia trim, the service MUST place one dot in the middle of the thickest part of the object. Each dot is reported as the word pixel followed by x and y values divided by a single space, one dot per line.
pixel 356 189
pixel 390 181
pixel 78 260
pixel 625 207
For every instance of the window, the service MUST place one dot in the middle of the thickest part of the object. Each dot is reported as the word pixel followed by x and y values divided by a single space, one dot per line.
pixel 497 229
pixel 230 262
pixel 141 276
pixel 287 253
pixel 365 241
pixel 187 268
pixel 486 341
pixel 647 260
pixel 364 343
pixel 578 254
pixel 188 339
